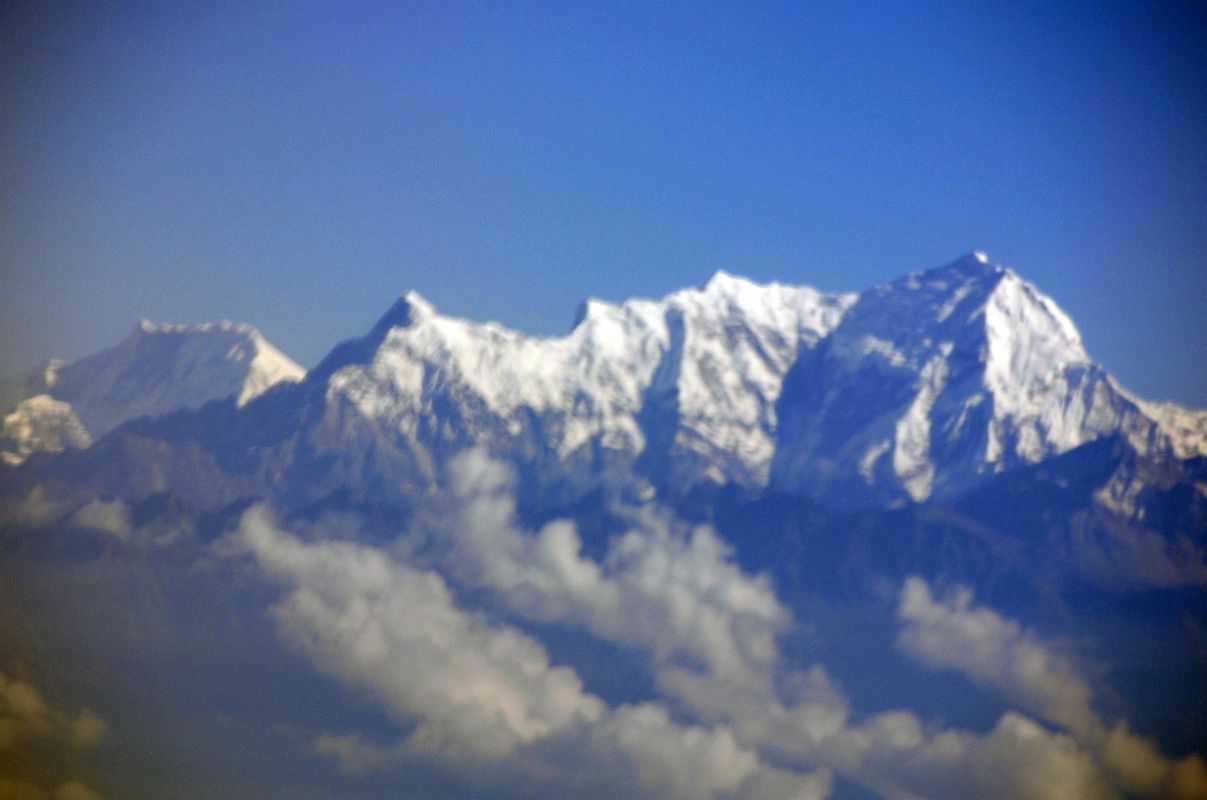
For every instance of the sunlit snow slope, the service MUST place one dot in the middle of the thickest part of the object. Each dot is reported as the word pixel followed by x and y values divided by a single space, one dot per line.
pixel 945 376
pixel 697 372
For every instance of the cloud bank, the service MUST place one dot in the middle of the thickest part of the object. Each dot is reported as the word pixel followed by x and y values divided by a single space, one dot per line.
pixel 480 699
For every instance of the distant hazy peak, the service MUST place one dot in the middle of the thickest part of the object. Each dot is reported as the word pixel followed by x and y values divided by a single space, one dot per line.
pixel 156 369
pixel 238 345
pixel 1185 428
pixel 40 423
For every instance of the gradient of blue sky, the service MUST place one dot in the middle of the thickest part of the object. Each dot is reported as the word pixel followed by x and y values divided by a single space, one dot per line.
pixel 299 166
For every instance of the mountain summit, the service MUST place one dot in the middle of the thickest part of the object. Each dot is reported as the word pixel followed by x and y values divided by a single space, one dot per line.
pixel 944 376
pixel 156 369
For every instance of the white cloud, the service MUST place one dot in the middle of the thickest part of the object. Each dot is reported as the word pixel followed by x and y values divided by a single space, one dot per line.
pixel 483 697
pixel 993 651
pixel 899 757
pixel 1019 759
pixel 997 652
pixel 381 625
pixel 481 700
pixel 675 593
pixel 711 631
pixel 679 761
pixel 1139 766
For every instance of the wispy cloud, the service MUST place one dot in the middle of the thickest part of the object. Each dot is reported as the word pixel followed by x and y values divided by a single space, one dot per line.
pixel 992 651
pixel 482 696
pixel 675 593
pixel 996 652
pixel 711 631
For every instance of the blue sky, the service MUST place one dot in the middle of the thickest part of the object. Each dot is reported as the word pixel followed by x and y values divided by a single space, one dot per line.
pixel 299 166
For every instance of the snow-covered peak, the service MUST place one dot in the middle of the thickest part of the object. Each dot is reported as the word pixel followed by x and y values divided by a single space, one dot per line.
pixel 971 303
pixel 910 390
pixel 971 272
pixel 945 375
pixel 405 311
pixel 164 367
pixel 903 323
pixel 593 311
pixel 801 310
pixel 419 305
pixel 156 369
pixel 596 372
pixel 724 283
pixel 922 385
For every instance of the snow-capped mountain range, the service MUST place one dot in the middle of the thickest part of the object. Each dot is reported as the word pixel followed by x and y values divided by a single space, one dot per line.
pixel 850 538
pixel 915 389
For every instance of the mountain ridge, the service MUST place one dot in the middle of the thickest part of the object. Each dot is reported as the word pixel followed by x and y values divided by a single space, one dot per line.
pixel 928 384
